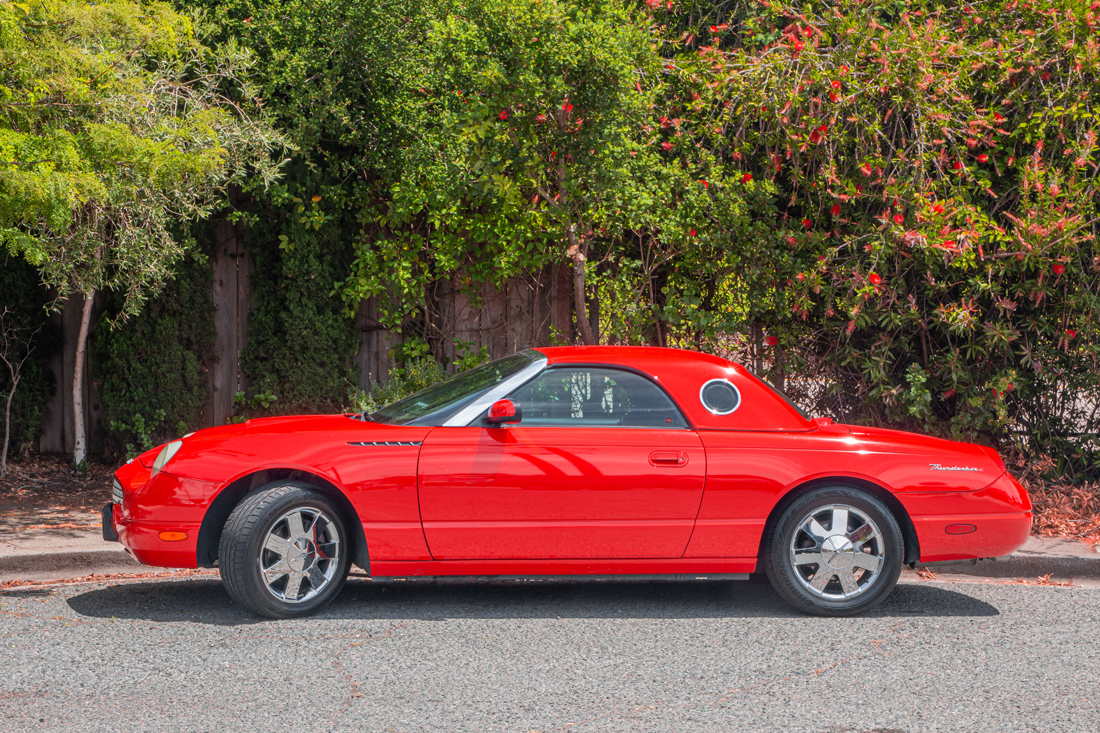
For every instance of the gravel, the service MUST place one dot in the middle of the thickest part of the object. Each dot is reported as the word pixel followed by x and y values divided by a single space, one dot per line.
pixel 660 656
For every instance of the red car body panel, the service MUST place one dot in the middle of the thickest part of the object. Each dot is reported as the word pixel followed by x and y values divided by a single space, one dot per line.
pixel 520 500
pixel 563 493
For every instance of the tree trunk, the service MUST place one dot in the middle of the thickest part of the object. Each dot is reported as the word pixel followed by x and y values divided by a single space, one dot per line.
pixel 80 442
pixel 579 252
pixel 7 426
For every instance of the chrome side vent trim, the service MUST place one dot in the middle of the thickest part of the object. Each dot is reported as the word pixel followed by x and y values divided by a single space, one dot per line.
pixel 368 444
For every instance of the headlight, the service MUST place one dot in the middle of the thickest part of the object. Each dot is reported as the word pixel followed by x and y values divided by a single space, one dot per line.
pixel 165 455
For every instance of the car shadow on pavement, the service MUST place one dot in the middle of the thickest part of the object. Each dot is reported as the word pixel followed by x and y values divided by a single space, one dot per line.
pixel 206 602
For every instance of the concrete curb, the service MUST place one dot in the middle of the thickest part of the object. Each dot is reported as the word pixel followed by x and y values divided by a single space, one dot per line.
pixel 1026 566
pixel 60 565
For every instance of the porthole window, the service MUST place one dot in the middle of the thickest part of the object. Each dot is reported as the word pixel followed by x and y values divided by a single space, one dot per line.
pixel 720 397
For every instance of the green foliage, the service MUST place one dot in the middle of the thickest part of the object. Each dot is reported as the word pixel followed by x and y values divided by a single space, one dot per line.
pixel 301 345
pixel 115 122
pixel 21 291
pixel 415 375
pixel 935 170
pixel 141 430
pixel 151 371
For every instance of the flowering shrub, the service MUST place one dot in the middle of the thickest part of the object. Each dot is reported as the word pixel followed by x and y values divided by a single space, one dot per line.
pixel 935 168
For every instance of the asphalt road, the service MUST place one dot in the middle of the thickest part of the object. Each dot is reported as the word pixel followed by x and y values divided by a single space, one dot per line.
pixel 660 656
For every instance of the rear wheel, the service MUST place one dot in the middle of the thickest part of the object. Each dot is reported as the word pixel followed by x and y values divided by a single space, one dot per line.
pixel 837 551
pixel 284 552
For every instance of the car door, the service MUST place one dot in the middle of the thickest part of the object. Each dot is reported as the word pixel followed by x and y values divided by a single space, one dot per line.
pixel 602 465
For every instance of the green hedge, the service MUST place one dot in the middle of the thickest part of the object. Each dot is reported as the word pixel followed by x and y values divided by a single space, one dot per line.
pixel 24 294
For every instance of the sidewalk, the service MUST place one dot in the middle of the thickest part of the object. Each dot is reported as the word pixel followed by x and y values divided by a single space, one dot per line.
pixel 54 543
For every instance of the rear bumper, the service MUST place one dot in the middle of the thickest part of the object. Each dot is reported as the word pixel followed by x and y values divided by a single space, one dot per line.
pixel 993 522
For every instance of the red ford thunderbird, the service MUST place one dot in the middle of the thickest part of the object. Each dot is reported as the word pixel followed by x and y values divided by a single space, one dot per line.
pixel 566 462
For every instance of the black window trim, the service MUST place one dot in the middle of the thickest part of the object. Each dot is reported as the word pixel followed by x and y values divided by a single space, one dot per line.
pixel 688 424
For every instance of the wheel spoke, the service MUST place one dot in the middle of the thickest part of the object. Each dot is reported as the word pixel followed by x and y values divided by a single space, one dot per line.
pixel 813 528
pixel 293 584
pixel 862 535
pixel 294 525
pixel 822 577
pixel 807 558
pixel 277 544
pixel 276 571
pixel 866 561
pixel 316 577
pixel 840 522
pixel 847 581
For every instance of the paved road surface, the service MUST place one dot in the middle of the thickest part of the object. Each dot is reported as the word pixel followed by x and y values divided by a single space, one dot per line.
pixel 715 656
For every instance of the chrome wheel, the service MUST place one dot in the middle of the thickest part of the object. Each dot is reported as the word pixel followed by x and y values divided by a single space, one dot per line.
pixel 837 552
pixel 301 555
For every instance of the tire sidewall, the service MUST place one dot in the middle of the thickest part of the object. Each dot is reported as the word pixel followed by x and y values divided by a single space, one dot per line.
pixel 782 573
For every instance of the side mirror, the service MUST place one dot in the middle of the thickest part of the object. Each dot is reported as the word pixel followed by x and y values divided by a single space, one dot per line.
pixel 504 411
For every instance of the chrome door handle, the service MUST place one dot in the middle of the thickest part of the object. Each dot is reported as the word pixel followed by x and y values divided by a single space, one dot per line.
pixel 668 458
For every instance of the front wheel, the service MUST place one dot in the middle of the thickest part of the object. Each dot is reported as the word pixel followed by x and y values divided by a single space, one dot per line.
pixel 284 552
pixel 836 551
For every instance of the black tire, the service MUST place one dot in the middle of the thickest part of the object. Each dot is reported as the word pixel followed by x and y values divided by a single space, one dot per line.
pixel 257 522
pixel 795 582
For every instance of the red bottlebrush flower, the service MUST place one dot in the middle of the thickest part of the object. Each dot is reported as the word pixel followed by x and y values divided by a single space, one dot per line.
pixel 567 108
pixel 792 241
pixel 797 46
pixel 815 137
pixel 705 184
pixel 540 118
pixel 899 219
pixel 714 29
pixel 937 208
pixel 874 278
pixel 808 31
pixel 823 129
pixel 801 277
pixel 949 394
pixel 949 244
pixel 865 169
pixel 1071 333
pixel 692 233
pixel 746 178
pixel 834 97
pixel 1045 76
pixel 983 158
pixel 553 154
pixel 836 84
pixel 807 223
pixel 843 70
pixel 835 210
pixel 1058 269
pixel 772 341
pixel 503 114
pixel 997 117
pixel 666 145
pixel 957 165
pixel 1055 190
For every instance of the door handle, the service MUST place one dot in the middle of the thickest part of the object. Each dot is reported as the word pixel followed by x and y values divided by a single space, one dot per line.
pixel 668 458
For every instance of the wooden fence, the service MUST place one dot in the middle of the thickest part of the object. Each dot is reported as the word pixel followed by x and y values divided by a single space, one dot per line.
pixel 535 310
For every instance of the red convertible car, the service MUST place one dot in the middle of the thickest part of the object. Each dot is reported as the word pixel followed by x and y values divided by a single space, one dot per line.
pixel 570 461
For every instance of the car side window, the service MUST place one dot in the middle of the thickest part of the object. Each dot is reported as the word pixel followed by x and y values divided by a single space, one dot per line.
pixel 593 397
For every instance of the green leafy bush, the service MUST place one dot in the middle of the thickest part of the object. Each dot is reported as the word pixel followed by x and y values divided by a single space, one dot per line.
pixel 151 371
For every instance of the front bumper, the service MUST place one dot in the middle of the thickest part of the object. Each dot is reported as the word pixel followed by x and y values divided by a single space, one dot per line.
pixel 150 507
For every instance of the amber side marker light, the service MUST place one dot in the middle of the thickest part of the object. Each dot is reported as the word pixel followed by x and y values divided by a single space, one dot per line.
pixel 173 536
pixel 960 528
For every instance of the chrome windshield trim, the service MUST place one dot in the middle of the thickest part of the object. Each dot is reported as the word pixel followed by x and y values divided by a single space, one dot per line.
pixel 481 405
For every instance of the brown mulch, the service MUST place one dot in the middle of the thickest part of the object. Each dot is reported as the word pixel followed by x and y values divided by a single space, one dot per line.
pixel 1061 510
pixel 113 577
pixel 51 481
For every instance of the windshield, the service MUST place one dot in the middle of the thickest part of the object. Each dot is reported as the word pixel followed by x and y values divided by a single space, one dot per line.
pixel 434 405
